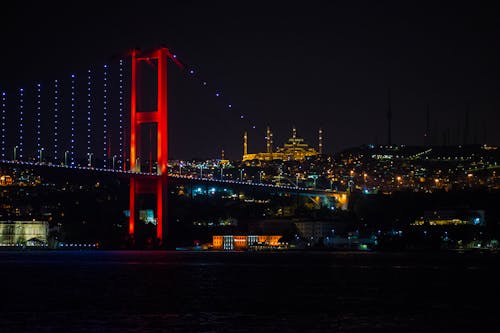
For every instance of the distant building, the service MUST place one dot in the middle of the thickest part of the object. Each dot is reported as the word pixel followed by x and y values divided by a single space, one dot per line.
pixel 243 242
pixel 30 233
pixel 452 217
pixel 5 180
pixel 314 231
pixel 294 150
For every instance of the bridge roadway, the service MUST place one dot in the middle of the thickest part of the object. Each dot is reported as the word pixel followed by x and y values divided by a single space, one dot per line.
pixel 61 170
pixel 129 173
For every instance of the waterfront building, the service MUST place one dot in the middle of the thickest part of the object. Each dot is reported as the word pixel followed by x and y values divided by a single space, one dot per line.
pixel 5 180
pixel 30 233
pixel 452 217
pixel 314 231
pixel 244 242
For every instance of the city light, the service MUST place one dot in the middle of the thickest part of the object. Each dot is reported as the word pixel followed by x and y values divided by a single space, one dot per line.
pixel 390 168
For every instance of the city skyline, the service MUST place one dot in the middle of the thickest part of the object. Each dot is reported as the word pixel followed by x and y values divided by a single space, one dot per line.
pixel 256 166
pixel 327 66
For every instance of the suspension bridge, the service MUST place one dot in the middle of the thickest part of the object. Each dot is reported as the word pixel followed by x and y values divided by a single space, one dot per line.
pixel 112 121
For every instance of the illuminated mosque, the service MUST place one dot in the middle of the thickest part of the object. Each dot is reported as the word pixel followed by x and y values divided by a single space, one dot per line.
pixel 294 150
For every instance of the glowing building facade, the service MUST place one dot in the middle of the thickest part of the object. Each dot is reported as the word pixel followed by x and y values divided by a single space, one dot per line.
pixel 5 180
pixel 31 233
pixel 244 242
pixel 294 150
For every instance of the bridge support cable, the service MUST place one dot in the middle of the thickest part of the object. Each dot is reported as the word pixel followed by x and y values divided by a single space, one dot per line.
pixel 72 122
pixel 120 115
pixel 39 148
pixel 18 150
pixel 89 114
pixel 4 125
pixel 56 122
pixel 105 155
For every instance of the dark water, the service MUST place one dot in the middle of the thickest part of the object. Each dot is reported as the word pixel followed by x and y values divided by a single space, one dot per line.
pixel 101 291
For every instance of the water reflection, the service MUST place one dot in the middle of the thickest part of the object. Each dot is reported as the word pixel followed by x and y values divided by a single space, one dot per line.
pixel 157 291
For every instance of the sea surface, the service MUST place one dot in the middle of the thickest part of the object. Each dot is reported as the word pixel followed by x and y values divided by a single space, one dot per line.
pixel 182 291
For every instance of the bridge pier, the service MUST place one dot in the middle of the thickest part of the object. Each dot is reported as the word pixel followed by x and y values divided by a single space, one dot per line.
pixel 158 115
pixel 149 185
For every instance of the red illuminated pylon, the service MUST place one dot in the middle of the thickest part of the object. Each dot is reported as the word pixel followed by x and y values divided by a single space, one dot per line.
pixel 140 184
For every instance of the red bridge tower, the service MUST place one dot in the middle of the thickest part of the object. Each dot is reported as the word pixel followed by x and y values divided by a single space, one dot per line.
pixel 154 184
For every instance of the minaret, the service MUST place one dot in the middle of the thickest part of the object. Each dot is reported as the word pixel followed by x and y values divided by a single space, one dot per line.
pixel 294 140
pixel 389 118
pixel 271 141
pixel 245 144
pixel 268 140
pixel 320 141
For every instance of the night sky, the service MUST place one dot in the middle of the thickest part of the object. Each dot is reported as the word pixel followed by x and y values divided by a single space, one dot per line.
pixel 310 64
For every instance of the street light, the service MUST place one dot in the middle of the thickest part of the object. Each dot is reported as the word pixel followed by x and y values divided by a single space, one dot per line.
pixel 201 171
pixel 40 151
pixel 15 153
pixel 90 159
pixel 66 158
pixel 241 174
pixel 114 159
pixel 314 177
pixel 137 164
pixel 158 169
